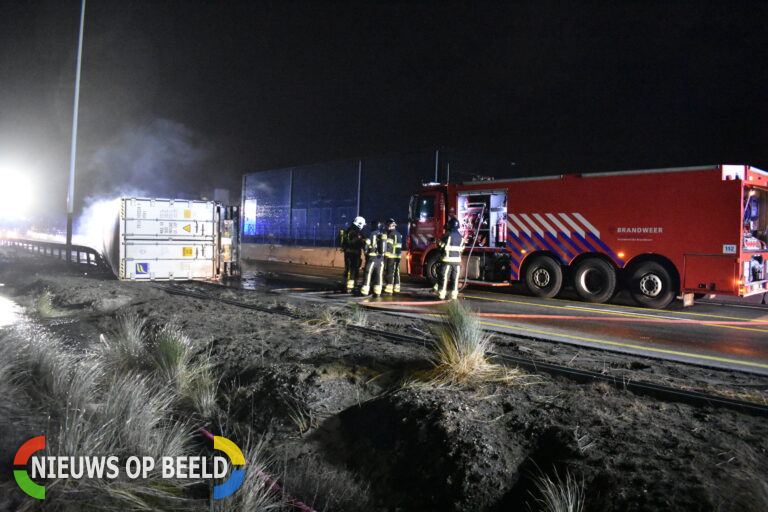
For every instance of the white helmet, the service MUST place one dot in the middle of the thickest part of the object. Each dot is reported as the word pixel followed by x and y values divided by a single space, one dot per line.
pixel 359 222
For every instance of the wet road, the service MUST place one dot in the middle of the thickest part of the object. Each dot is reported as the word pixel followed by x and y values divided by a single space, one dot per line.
pixel 733 336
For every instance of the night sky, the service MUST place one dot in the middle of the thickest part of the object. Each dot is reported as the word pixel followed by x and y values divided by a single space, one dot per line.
pixel 178 96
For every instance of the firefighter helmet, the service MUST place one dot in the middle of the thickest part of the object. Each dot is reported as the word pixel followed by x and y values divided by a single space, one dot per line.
pixel 453 224
pixel 380 225
pixel 391 224
pixel 359 222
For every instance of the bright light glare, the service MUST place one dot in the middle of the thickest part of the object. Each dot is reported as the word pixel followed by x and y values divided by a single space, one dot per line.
pixel 95 222
pixel 9 312
pixel 16 193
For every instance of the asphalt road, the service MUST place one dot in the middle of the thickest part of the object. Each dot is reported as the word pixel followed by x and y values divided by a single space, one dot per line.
pixel 724 335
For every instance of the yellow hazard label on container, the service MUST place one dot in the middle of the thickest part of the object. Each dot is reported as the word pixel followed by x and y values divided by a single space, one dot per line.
pixel 186 251
pixel 188 227
pixel 187 214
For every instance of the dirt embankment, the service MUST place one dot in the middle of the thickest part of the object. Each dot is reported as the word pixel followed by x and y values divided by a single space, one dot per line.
pixel 346 433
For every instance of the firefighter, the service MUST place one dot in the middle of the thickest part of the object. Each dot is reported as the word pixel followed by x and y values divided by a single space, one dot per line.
pixel 392 257
pixel 446 228
pixel 374 266
pixel 452 244
pixel 353 245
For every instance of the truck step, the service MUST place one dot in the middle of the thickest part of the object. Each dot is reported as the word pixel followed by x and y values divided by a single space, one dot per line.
pixel 488 283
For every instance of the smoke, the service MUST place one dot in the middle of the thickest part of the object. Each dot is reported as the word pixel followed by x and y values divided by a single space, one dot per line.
pixel 95 223
pixel 160 159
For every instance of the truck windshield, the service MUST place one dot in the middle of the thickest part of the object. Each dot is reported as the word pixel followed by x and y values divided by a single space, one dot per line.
pixel 422 207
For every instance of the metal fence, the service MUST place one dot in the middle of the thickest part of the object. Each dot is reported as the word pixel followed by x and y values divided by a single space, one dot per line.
pixel 308 205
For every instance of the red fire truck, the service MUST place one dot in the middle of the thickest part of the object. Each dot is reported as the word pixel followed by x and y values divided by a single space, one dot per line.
pixel 659 233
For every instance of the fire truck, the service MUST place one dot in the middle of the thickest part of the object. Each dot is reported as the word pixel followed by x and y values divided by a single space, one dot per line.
pixel 659 233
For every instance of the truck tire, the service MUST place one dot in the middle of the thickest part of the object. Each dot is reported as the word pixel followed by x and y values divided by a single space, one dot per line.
pixel 544 276
pixel 651 285
pixel 432 268
pixel 594 280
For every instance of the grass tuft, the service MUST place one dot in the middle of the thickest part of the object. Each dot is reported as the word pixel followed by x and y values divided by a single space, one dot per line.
pixel 459 352
pixel 325 487
pixel 301 415
pixel 123 350
pixel 560 494
pixel 193 380
pixel 328 319
pixel 357 316
pixel 171 354
pixel 256 493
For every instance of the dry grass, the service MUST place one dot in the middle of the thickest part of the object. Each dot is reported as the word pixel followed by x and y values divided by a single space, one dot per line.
pixel 168 357
pixel 114 401
pixel 124 349
pixel 329 318
pixel 459 353
pixel 558 494
pixel 255 494
pixel 325 487
pixel 301 415
pixel 357 316
pixel 192 379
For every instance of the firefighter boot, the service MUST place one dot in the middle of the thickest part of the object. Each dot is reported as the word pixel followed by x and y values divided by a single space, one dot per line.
pixel 389 289
pixel 364 290
pixel 454 294
pixel 396 288
pixel 376 290
pixel 350 285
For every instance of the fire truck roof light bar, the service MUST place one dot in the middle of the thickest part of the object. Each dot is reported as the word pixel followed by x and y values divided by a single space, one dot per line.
pixel 650 171
pixel 510 180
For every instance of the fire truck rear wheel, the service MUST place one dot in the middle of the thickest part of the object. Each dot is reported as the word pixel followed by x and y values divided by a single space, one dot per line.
pixel 594 280
pixel 651 285
pixel 432 268
pixel 544 277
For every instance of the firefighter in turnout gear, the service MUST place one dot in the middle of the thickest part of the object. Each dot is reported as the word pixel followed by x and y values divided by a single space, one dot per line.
pixel 392 257
pixel 374 266
pixel 452 245
pixel 353 245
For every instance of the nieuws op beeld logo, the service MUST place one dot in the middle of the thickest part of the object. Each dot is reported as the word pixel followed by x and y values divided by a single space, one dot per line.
pixel 192 467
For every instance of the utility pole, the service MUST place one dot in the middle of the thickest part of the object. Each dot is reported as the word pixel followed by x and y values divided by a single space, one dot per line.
pixel 73 152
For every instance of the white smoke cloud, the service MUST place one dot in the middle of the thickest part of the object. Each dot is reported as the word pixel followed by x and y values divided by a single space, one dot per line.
pixel 160 159
pixel 163 159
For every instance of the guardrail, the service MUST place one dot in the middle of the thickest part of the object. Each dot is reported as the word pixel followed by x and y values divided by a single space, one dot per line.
pixel 76 254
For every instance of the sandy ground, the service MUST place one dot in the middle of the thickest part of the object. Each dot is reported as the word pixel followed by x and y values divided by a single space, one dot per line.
pixel 347 434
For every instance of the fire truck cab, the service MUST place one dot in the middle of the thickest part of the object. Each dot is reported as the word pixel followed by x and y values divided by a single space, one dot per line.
pixel 659 233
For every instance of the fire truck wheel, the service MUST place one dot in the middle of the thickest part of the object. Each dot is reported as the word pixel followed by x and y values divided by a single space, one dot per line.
pixel 651 285
pixel 432 268
pixel 544 276
pixel 594 280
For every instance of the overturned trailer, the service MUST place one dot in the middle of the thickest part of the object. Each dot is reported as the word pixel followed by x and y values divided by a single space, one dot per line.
pixel 172 239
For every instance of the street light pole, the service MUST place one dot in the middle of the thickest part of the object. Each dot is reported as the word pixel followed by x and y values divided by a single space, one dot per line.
pixel 73 152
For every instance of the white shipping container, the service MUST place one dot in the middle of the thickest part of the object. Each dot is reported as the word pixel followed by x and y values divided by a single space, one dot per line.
pixel 167 239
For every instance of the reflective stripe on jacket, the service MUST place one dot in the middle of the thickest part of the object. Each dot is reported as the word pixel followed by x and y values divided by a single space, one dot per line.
pixel 376 243
pixel 394 244
pixel 452 245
